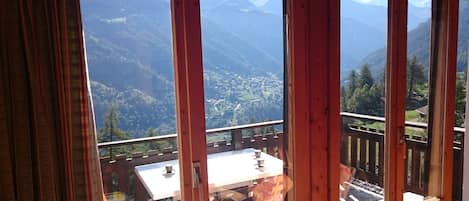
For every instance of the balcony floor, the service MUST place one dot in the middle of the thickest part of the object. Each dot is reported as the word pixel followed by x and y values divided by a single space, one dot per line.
pixel 363 191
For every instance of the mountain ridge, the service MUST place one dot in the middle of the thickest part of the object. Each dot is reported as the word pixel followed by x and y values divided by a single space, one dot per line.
pixel 419 45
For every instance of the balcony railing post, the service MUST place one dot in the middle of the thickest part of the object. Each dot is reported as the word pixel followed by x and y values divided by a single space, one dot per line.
pixel 362 163
pixel 121 167
pixel 381 161
pixel 416 179
pixel 281 151
pixel 106 171
pixel 354 152
pixel 343 143
pixel 237 138
pixel 458 170
pixel 140 193
pixel 372 159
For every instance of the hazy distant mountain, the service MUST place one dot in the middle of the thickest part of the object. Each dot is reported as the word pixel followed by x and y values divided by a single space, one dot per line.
pixel 357 41
pixel 419 40
pixel 363 30
pixel 376 15
pixel 273 6
pixel 262 30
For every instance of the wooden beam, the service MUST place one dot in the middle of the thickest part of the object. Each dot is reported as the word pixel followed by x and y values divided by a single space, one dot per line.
pixel 394 143
pixel 188 70
pixel 299 161
pixel 313 106
pixel 333 98
pixel 444 38
pixel 465 194
pixel 318 99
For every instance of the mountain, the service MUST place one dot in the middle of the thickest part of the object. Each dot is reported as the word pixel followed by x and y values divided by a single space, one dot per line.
pixel 376 15
pixel 363 30
pixel 418 43
pixel 262 30
pixel 129 56
pixel 363 26
pixel 357 40
pixel 273 6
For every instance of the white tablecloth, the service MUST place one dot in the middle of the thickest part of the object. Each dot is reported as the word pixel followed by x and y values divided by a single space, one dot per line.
pixel 226 170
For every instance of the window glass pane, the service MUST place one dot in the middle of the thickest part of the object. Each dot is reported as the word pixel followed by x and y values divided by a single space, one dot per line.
pixel 461 97
pixel 243 56
pixel 363 59
pixel 129 56
pixel 418 60
pixel 417 175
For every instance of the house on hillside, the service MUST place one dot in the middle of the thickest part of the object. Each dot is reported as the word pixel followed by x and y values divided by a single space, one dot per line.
pixel 423 111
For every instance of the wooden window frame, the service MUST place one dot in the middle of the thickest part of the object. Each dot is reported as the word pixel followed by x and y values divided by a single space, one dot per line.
pixel 443 49
pixel 443 58
pixel 314 81
pixel 313 76
pixel 395 93
pixel 190 110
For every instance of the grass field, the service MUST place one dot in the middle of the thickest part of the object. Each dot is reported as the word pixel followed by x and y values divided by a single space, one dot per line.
pixel 410 115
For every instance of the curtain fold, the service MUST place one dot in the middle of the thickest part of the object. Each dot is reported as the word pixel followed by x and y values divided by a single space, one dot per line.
pixel 48 143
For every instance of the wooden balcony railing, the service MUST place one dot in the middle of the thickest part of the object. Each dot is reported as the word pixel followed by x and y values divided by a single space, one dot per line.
pixel 362 148
pixel 119 158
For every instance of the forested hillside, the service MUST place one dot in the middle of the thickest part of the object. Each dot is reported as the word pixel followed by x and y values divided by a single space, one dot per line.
pixel 363 90
pixel 130 60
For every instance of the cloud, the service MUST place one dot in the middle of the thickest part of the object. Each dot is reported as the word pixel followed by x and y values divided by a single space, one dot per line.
pixel 365 1
pixel 418 3
pixel 421 3
pixel 116 20
pixel 371 2
pixel 259 2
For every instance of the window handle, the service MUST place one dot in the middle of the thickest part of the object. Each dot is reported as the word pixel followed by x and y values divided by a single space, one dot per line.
pixel 401 132
pixel 402 140
pixel 196 177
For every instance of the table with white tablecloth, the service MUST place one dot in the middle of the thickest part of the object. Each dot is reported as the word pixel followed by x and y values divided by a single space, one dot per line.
pixel 226 170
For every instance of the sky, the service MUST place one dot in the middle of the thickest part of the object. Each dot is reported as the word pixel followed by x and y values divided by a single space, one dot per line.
pixel 418 3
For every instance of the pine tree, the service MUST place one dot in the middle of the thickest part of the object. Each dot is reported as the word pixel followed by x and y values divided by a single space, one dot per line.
pixel 111 131
pixel 366 100
pixel 365 76
pixel 252 131
pixel 152 132
pixel 415 76
pixel 267 129
pixel 352 82
pixel 382 82
pixel 343 99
